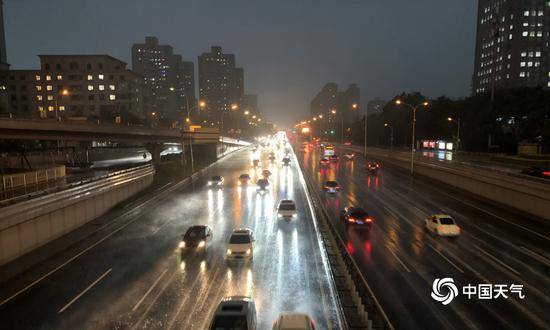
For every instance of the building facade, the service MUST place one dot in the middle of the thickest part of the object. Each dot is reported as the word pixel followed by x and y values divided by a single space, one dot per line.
pixel 221 84
pixel 83 87
pixel 512 45
pixel 170 79
pixel 324 101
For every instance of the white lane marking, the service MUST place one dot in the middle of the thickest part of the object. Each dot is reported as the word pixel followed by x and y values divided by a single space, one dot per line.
pixel 401 262
pixel 83 292
pixel 535 255
pixel 160 227
pixel 496 260
pixel 149 291
pixel 444 257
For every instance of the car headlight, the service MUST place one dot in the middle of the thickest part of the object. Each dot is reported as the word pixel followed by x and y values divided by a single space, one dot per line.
pixel 182 245
pixel 209 183
pixel 248 252
pixel 228 252
pixel 201 244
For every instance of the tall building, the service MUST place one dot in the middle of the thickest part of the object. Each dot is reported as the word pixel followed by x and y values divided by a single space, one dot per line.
pixel 512 44
pixel 3 53
pixel 250 103
pixel 221 84
pixel 325 100
pixel 171 80
pixel 85 87
pixel 376 106
pixel 348 103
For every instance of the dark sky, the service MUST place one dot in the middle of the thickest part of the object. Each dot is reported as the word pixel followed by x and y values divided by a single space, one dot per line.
pixel 288 49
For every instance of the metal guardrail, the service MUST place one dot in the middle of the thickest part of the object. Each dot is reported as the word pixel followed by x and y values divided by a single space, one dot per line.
pixel 375 311
pixel 36 194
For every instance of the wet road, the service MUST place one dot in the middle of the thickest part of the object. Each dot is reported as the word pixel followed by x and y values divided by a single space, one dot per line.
pixel 138 279
pixel 400 259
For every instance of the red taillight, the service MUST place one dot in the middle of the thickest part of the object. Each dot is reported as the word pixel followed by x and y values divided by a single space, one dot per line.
pixel 351 220
pixel 377 165
pixel 546 173
pixel 368 219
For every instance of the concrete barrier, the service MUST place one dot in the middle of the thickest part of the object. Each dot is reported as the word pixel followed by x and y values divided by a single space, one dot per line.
pixel 28 225
pixel 524 195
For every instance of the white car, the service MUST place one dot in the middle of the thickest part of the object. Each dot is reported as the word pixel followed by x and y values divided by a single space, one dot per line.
pixel 294 321
pixel 240 245
pixel 442 225
pixel 216 181
pixel 286 209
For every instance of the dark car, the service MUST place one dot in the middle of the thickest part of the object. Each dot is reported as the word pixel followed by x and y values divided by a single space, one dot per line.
pixel 324 161
pixel 372 168
pixel 286 161
pixel 538 171
pixel 244 179
pixel 271 158
pixel 266 173
pixel 331 186
pixel 196 237
pixel 357 217
pixel 235 313
pixel 263 184
pixel 334 158
pixel 216 181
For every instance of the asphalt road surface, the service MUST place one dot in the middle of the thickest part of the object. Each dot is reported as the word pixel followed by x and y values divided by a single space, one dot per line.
pixel 136 278
pixel 400 259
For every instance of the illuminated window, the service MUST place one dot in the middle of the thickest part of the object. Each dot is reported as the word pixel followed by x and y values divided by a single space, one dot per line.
pixel 539 33
pixel 112 87
pixel 90 87
pixel 90 77
pixel 48 77
pixel 523 54
pixel 50 97
pixel 101 87
pixel 526 13
pixel 525 33
pixel 38 88
pixel 522 74
pixel 39 97
pixel 522 64
pixel 100 77
pixel 41 112
pixel 49 87
pixel 112 97
pixel 61 108
pixel 59 77
pixel 50 108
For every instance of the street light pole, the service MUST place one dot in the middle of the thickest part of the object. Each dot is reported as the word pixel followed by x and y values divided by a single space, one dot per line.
pixel 413 108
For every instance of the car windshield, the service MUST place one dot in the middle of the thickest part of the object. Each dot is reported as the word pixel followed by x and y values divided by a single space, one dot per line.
pixel 217 178
pixel 239 239
pixel 194 232
pixel 332 184
pixel 358 213
pixel 230 322
pixel 446 221
pixel 287 207
pixel 244 176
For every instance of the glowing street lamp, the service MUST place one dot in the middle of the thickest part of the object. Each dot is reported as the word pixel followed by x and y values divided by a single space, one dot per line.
pixel 202 104
pixel 413 108
pixel 246 112
pixel 234 106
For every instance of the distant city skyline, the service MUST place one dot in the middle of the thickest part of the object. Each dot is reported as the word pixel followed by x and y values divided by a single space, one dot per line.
pixel 289 50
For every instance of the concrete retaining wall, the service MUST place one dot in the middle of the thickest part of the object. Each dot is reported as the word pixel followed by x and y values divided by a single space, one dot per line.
pixel 523 195
pixel 28 225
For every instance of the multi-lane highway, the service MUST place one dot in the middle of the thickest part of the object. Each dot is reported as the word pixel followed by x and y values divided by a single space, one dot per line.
pixel 400 259
pixel 137 278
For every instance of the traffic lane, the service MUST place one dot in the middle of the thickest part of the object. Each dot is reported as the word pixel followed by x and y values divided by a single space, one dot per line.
pixel 135 269
pixel 285 274
pixel 416 227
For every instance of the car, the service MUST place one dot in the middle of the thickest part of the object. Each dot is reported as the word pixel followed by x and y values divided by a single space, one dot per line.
pixel 216 181
pixel 235 312
pixel 538 171
pixel 263 185
pixel 331 186
pixel 286 209
pixel 266 174
pixel 272 158
pixel 244 179
pixel 196 237
pixel 240 245
pixel 324 161
pixel 286 161
pixel 442 225
pixel 347 143
pixel 373 167
pixel 349 156
pixel 293 321
pixel 357 217
pixel 334 158
pixel 256 163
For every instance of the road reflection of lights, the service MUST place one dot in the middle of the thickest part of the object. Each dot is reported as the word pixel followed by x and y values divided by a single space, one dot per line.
pixel 376 182
pixel 182 266
pixel 368 250
pixel 203 266
pixel 249 283
pixel 368 181
pixel 220 198
pixel 229 274
pixel 350 248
